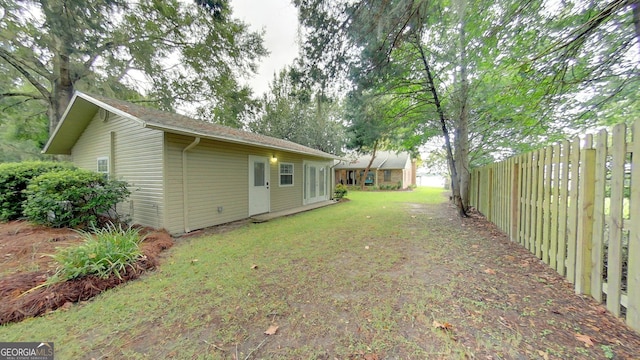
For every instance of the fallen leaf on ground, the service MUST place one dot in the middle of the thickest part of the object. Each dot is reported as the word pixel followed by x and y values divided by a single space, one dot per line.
pixel 490 271
pixel 271 330
pixel 371 357
pixel 586 339
pixel 443 326
pixel 544 354
pixel 593 327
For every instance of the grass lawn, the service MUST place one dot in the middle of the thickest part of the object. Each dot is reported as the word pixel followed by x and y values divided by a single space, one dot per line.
pixel 385 275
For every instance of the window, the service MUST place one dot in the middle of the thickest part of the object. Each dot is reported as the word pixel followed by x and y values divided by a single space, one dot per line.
pixel 286 174
pixel 322 179
pixel 103 166
pixel 387 175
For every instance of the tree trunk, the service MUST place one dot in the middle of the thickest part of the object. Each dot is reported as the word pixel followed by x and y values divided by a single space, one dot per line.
pixel 455 185
pixel 62 78
pixel 61 92
pixel 462 125
pixel 363 178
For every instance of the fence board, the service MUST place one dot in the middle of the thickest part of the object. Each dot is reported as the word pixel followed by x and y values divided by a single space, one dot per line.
pixel 563 207
pixel 546 210
pixel 553 237
pixel 598 213
pixel 534 199
pixel 614 258
pixel 572 213
pixel 515 196
pixel 527 205
pixel 539 204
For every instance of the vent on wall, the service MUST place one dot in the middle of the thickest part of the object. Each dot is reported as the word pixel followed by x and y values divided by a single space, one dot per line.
pixel 103 114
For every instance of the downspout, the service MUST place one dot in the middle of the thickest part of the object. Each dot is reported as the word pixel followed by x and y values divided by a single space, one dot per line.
pixel 185 184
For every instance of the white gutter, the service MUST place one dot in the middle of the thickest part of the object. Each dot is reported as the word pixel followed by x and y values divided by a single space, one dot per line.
pixel 185 187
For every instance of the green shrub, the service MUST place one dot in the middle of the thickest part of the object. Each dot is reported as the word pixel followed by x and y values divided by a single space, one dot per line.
pixel 107 251
pixel 73 198
pixel 340 191
pixel 14 178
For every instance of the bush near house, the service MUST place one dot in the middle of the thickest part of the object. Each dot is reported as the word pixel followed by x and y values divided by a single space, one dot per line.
pixel 73 198
pixel 340 191
pixel 14 178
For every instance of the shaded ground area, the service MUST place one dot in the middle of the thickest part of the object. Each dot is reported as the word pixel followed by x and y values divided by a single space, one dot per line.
pixel 502 302
pixel 462 292
pixel 26 264
pixel 373 278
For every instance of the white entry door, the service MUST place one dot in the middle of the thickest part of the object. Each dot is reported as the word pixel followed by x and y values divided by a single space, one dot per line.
pixel 259 196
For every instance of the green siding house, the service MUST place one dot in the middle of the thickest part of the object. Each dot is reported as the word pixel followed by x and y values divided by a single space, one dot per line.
pixel 185 174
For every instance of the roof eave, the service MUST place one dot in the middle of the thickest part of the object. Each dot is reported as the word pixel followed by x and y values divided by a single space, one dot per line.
pixel 66 150
pixel 175 130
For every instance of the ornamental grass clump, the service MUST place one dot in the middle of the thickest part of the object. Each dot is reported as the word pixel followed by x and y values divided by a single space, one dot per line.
pixel 106 251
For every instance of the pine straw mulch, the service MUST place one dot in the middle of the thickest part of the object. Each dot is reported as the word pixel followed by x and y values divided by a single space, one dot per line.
pixel 23 243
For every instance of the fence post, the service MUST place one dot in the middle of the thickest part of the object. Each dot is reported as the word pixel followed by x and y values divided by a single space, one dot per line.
pixel 597 250
pixel 633 270
pixel 585 217
pixel 618 153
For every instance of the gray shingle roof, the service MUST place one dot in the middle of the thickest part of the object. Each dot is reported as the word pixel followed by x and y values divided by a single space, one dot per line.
pixel 176 123
pixel 83 107
pixel 383 160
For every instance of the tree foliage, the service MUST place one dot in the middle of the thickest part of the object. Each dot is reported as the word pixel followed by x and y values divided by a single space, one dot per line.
pixel 499 76
pixel 294 112
pixel 176 53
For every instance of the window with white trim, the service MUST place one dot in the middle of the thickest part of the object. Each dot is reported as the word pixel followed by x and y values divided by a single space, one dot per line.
pixel 286 174
pixel 102 165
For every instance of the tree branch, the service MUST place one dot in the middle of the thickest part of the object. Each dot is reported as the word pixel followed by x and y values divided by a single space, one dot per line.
pixel 9 58
pixel 21 94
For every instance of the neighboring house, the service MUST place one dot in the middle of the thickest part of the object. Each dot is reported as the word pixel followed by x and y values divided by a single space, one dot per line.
pixel 186 174
pixel 388 168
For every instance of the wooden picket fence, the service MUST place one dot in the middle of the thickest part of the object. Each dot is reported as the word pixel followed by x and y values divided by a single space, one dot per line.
pixel 576 206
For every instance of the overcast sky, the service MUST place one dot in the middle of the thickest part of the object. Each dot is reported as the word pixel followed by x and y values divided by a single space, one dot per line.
pixel 279 19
